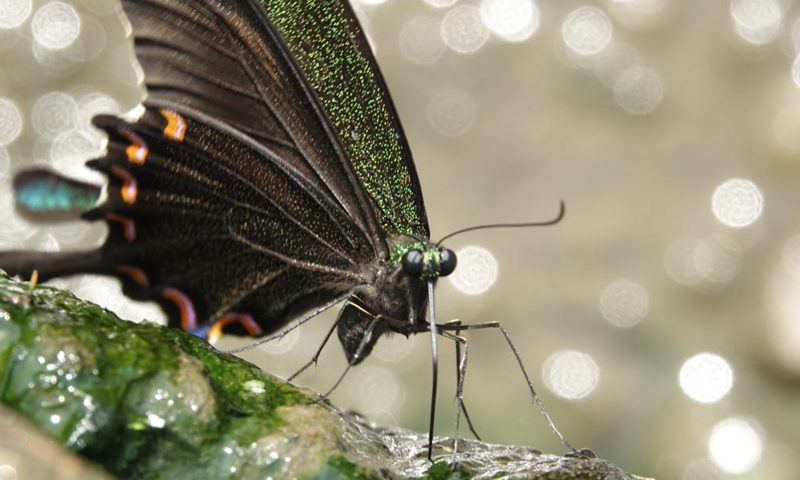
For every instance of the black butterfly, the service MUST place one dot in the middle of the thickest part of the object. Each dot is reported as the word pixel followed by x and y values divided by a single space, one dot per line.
pixel 267 176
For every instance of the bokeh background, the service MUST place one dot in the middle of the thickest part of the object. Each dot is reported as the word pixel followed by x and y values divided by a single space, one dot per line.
pixel 660 320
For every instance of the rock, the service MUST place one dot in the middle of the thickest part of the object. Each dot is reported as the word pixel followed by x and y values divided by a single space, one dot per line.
pixel 145 401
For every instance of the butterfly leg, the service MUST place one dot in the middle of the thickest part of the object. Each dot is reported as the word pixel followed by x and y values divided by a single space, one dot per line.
pixel 534 396
pixel 285 331
pixel 315 358
pixel 365 340
pixel 461 368
pixel 460 375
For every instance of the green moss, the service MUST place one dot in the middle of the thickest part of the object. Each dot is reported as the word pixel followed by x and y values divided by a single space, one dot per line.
pixel 439 471
pixel 136 398
pixel 339 467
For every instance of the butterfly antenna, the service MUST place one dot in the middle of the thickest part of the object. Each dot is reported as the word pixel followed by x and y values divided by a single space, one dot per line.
pixel 558 218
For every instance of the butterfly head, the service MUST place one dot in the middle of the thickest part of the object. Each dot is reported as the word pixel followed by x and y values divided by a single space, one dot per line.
pixel 429 262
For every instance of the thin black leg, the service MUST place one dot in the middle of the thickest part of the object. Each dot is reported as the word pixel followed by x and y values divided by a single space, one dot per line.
pixel 534 395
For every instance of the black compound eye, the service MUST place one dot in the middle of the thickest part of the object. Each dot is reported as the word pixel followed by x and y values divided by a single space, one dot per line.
pixel 412 263
pixel 447 262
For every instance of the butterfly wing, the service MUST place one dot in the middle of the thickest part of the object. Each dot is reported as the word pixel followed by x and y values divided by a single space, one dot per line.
pixel 233 197
pixel 327 42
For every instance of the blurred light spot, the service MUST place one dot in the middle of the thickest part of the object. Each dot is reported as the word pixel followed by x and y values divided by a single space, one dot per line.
pixel 96 104
pixel 624 303
pixel 795 37
pixel 514 20
pixel 476 271
pixel 56 25
pixel 377 391
pixel 440 3
pixel 69 153
pixel 796 71
pixel 644 6
pixel 587 31
pixel 718 259
pixel 737 203
pixel 637 13
pixel 10 122
pixel 570 374
pixel 13 13
pixel 706 378
pixel 638 90
pixel 54 62
pixel 7 472
pixel 283 344
pixel 4 162
pixel 73 147
pixel 463 30
pixel 451 112
pixel 735 446
pixel 679 261
pixel 756 21
pixel 90 43
pixel 370 2
pixel 54 113
pixel 525 32
pixel 614 60
pixel 16 232
pixel 790 257
pixel 787 124
pixel 394 348
pixel 420 40
pixel 92 105
pixel 782 329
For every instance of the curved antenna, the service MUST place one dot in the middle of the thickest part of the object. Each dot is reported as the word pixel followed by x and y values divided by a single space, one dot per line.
pixel 561 211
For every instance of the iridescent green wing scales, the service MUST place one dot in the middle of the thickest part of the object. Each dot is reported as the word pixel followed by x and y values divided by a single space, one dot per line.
pixel 328 45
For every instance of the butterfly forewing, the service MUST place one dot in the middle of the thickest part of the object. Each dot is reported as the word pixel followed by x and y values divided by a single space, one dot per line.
pixel 264 176
pixel 326 40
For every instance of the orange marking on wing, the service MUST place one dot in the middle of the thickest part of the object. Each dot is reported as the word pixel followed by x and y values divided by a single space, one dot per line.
pixel 176 125
pixel 129 189
pixel 137 151
pixel 135 274
pixel 188 313
pixel 128 225
pixel 246 321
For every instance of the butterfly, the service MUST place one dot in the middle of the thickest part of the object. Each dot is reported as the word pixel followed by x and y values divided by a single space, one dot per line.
pixel 267 176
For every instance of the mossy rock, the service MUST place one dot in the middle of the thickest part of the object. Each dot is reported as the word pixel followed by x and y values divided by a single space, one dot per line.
pixel 149 402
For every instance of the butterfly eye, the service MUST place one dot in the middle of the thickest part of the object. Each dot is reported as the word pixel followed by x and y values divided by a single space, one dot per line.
pixel 412 263
pixel 447 262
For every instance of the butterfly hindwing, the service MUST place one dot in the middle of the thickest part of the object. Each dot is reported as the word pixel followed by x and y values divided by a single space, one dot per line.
pixel 209 238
